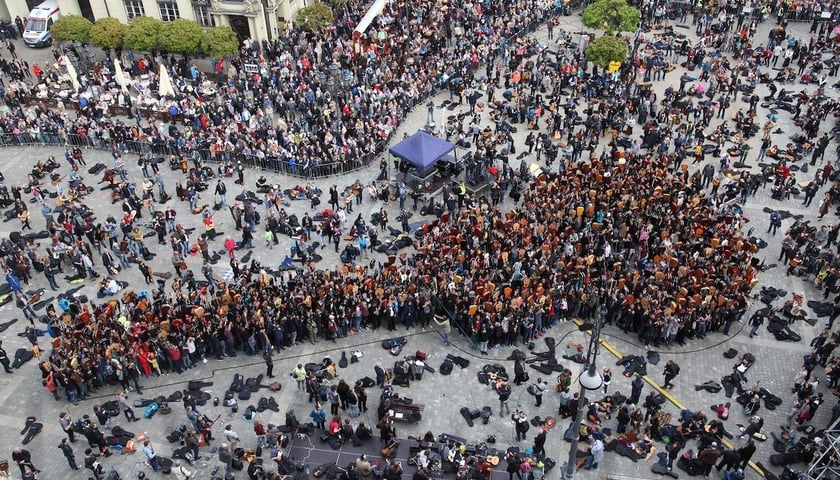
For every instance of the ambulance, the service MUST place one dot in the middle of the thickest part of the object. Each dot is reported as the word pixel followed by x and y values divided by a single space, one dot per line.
pixel 39 22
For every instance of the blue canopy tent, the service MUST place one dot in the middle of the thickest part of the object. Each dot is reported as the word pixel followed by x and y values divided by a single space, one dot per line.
pixel 422 150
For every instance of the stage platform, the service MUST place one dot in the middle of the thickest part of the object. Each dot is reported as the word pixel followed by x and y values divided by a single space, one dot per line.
pixel 310 450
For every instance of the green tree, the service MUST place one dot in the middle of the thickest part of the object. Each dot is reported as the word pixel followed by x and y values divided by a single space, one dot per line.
pixel 220 42
pixel 612 16
pixel 108 33
pixel 315 17
pixel 71 27
pixel 181 36
pixel 607 49
pixel 143 34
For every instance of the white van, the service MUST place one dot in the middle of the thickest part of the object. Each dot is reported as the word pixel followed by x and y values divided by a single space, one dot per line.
pixel 39 22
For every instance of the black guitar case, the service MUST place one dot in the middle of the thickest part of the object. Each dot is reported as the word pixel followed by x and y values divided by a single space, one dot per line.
pixel 342 363
pixel 465 412
pixel 22 355
pixel 254 383
pixel 778 444
pixel 486 412
pixel 660 469
pixel 238 383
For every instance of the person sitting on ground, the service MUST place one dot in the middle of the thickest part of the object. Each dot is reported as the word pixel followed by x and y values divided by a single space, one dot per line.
pixel 363 432
pixel 110 287
pixel 644 447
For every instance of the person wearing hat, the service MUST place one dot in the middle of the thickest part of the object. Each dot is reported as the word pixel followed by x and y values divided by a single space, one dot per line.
pixel 708 457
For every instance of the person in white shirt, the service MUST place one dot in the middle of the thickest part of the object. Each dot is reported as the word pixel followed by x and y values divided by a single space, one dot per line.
pixel 231 436
pixel 180 472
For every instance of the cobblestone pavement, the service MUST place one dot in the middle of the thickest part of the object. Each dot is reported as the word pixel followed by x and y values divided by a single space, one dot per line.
pixel 21 394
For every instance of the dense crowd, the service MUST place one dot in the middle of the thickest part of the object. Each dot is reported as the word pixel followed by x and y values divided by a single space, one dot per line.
pixel 631 234
pixel 630 237
pixel 337 101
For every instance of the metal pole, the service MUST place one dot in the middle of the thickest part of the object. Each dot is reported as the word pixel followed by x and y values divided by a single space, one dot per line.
pixel 571 465
pixel 589 370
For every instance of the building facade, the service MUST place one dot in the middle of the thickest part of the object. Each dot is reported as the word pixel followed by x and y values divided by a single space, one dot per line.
pixel 257 19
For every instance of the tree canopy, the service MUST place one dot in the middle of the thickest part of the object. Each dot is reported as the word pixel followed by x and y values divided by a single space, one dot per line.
pixel 220 42
pixel 143 34
pixel 108 33
pixel 181 36
pixel 71 27
pixel 315 17
pixel 612 16
pixel 607 49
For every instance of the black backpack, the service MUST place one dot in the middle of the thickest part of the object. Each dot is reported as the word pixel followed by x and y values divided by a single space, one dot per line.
pixel 446 367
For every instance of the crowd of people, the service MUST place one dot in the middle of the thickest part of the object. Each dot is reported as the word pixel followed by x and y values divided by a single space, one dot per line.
pixel 319 104
pixel 630 234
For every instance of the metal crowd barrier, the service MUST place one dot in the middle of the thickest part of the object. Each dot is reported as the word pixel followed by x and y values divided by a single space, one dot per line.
pixel 270 163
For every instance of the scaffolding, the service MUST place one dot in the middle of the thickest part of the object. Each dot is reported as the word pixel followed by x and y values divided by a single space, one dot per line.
pixel 826 464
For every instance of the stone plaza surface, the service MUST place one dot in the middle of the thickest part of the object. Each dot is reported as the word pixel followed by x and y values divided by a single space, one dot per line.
pixel 22 395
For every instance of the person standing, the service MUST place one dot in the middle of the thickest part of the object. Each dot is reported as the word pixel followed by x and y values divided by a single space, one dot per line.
pixel 746 452
pixel 775 223
pixel 151 457
pixel 67 425
pixel 318 416
pixel 269 362
pixel 361 394
pixel 520 424
pixel 126 407
pixel 607 379
pixel 708 457
pixel 504 395
pixel 539 388
pixel 756 320
pixel 636 389
pixel 514 463
pixel 445 327
pixel 221 191
pixel 730 459
pixel 835 312
pixel 539 443
pixel 226 457
pixel 23 458
pixel 67 450
pixel 92 463
pixel 299 374
pixel 673 450
pixel 671 371
pixel 146 271
pixel 596 455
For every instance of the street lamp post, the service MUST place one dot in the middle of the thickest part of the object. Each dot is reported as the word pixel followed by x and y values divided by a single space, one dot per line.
pixel 589 379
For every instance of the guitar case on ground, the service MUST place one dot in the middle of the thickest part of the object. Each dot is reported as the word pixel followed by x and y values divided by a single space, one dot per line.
pixel 465 412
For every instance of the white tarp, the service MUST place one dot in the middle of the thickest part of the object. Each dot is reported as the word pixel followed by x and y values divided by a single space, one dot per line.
pixel 71 72
pixel 165 84
pixel 120 76
pixel 372 13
